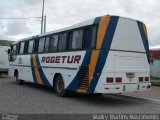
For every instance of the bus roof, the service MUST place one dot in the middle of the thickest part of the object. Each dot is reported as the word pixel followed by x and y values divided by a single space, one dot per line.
pixel 81 24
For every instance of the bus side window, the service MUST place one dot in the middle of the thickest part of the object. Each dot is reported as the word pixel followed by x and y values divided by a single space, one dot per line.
pixel 47 44
pixel 62 42
pixel 11 49
pixel 35 45
pixel 14 49
pixel 25 47
pixel 21 51
pixel 17 48
pixel 93 37
pixel 13 53
pixel 41 45
pixel 70 34
pixel 77 39
pixel 87 38
pixel 30 46
pixel 53 43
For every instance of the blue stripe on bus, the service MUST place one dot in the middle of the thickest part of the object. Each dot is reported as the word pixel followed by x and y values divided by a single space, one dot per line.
pixel 144 39
pixel 103 52
pixel 97 20
pixel 76 82
pixel 43 77
pixel 32 68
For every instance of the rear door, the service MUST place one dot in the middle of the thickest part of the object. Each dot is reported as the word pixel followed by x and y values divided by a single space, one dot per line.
pixel 129 67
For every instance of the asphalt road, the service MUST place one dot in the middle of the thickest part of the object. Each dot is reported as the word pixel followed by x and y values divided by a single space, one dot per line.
pixel 34 99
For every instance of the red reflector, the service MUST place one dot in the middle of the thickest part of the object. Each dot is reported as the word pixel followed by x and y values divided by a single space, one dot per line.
pixel 140 79
pixel 118 79
pixel 109 80
pixel 146 78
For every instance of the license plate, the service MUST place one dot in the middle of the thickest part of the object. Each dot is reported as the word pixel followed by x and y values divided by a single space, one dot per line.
pixel 130 75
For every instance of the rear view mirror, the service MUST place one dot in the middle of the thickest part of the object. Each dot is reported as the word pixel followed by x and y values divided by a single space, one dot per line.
pixel 9 50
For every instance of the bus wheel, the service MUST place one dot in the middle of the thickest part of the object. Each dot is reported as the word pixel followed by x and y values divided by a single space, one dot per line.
pixel 18 81
pixel 59 87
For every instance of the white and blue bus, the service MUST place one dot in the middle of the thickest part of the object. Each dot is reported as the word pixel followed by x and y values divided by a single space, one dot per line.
pixel 107 54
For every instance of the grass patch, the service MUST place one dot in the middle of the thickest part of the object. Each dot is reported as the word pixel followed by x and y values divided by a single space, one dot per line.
pixel 155 81
pixel 155 78
pixel 155 84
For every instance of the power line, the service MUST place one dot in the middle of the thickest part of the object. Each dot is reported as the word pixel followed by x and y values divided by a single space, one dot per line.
pixel 22 18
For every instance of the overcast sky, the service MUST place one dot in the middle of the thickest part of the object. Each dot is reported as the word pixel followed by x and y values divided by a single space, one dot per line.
pixel 67 12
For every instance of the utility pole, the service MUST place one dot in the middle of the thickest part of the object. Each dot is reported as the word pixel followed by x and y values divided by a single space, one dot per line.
pixel 42 17
pixel 45 24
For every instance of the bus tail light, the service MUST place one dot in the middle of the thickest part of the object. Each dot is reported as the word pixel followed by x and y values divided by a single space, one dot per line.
pixel 140 79
pixel 146 78
pixel 118 79
pixel 109 80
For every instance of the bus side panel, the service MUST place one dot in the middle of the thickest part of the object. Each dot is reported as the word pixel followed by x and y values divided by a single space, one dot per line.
pixel 33 68
pixel 63 63
pixel 22 63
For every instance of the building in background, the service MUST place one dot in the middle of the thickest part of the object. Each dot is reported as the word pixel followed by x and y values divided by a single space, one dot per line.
pixel 5 42
pixel 155 62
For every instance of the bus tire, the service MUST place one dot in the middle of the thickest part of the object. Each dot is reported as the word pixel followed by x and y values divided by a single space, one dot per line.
pixel 18 81
pixel 59 87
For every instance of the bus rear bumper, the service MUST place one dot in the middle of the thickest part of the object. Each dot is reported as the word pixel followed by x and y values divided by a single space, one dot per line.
pixel 122 88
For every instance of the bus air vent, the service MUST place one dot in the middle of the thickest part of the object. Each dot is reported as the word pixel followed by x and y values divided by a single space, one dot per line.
pixel 84 76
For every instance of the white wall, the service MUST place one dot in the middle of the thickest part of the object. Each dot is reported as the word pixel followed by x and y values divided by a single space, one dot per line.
pixel 155 68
